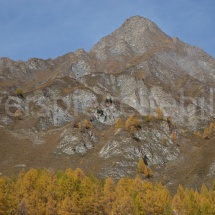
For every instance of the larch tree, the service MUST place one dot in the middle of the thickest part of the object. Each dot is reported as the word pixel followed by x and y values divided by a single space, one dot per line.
pixel 173 136
pixel 206 133
pixel 159 113
pixel 143 169
pixel 131 124
pixel 86 124
pixel 118 124
pixel 149 118
pixel 211 128
pixel 109 195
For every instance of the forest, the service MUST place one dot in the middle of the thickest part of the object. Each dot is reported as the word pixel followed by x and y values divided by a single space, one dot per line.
pixel 72 192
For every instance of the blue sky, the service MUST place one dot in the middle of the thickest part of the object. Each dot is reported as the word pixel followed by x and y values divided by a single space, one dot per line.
pixel 50 28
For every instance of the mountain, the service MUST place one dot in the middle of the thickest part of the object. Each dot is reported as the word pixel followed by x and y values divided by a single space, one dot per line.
pixel 65 112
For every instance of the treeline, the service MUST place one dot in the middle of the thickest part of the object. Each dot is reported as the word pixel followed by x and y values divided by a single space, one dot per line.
pixel 72 192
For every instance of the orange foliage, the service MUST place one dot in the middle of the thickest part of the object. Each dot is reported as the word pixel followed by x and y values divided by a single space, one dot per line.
pixel 143 169
pixel 149 118
pixel 72 192
pixel 86 124
pixel 206 133
pixel 211 128
pixel 118 124
pixel 174 136
pixel 159 113
pixel 131 124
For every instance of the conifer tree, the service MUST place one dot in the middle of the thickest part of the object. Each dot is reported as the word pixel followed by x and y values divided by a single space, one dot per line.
pixel 149 118
pixel 118 124
pixel 67 207
pixel 131 123
pixel 174 136
pixel 159 113
pixel 211 128
pixel 86 124
pixel 109 195
pixel 206 133
pixel 19 92
pixel 143 169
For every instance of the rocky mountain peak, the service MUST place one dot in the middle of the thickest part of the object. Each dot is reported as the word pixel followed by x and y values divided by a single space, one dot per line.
pixel 135 37
pixel 136 21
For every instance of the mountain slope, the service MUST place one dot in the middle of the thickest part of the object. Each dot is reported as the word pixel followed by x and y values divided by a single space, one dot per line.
pixel 136 70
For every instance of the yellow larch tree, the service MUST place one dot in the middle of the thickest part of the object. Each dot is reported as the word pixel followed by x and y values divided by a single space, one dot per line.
pixel 131 124
pixel 86 124
pixel 211 128
pixel 143 169
pixel 173 136
pixel 159 113
pixel 118 124
pixel 206 133
pixel 109 195
pixel 149 118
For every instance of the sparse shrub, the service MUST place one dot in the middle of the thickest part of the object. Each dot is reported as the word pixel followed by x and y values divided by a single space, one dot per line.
pixel 159 113
pixel 118 124
pixel 67 90
pixel 103 134
pixel 174 136
pixel 132 124
pixel 165 178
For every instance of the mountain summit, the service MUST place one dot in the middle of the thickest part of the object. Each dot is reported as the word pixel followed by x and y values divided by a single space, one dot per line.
pixel 135 37
pixel 137 94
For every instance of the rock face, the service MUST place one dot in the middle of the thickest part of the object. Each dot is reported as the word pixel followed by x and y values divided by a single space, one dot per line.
pixel 73 142
pixel 70 104
pixel 135 37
